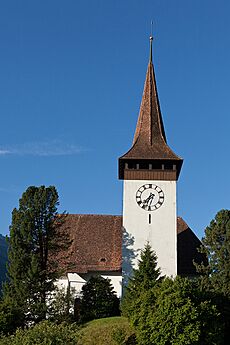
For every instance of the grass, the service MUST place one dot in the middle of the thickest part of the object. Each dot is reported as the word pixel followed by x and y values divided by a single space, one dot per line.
pixel 108 331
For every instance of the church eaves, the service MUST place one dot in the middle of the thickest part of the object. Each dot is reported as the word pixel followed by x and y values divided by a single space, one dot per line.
pixel 149 141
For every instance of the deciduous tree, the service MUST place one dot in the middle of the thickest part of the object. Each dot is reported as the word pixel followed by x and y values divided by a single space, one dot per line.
pixel 177 312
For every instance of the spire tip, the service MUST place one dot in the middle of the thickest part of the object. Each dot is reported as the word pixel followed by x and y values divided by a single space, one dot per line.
pixel 151 49
pixel 151 40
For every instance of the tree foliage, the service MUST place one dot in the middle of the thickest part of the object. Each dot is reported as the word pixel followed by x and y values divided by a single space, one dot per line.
pixel 43 333
pixel 31 272
pixel 3 260
pixel 166 311
pixel 61 305
pixel 216 246
pixel 144 278
pixel 177 312
pixel 98 299
pixel 215 276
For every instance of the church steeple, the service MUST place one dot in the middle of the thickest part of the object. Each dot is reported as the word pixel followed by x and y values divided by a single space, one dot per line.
pixel 150 150
pixel 150 128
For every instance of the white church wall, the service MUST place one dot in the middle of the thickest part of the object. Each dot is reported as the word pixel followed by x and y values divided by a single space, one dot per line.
pixel 159 231
pixel 62 283
pixel 76 281
pixel 116 281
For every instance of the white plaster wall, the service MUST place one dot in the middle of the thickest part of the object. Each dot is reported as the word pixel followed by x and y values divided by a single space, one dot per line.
pixel 62 283
pixel 77 281
pixel 116 281
pixel 161 233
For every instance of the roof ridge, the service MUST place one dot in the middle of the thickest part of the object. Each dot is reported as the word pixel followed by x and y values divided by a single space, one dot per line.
pixel 93 214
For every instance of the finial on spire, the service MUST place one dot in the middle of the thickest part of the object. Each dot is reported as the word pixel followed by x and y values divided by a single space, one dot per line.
pixel 151 40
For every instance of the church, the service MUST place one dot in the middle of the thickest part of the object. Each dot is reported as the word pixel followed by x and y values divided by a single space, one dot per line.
pixel 110 245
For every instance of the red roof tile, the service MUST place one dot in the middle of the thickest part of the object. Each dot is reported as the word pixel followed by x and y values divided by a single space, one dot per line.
pixel 95 243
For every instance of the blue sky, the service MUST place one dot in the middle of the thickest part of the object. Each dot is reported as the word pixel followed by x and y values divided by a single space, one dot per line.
pixel 71 81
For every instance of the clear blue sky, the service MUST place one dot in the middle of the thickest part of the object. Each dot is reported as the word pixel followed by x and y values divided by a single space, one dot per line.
pixel 71 81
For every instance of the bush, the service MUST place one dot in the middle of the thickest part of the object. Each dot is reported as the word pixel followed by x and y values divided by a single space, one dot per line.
pixel 177 312
pixel 11 316
pixel 44 333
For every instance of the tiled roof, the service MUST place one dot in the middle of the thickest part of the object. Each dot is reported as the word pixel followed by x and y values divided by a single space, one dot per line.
pixel 187 245
pixel 96 244
pixel 149 139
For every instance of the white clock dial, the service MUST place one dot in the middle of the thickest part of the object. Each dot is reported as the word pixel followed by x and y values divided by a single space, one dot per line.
pixel 149 197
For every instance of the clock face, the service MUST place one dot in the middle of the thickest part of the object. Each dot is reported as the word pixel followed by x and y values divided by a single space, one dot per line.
pixel 149 197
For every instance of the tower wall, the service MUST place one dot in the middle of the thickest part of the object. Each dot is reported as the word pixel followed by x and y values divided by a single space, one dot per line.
pixel 158 227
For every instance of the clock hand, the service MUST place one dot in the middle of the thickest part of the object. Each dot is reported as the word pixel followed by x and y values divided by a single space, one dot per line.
pixel 148 201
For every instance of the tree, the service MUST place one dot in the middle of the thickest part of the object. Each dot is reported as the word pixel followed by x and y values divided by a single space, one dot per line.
pixel 215 276
pixel 177 312
pixel 61 305
pixel 31 272
pixel 3 260
pixel 98 299
pixel 144 278
pixel 216 246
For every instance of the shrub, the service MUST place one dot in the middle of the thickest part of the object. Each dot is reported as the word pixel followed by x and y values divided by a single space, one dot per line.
pixel 177 312
pixel 44 333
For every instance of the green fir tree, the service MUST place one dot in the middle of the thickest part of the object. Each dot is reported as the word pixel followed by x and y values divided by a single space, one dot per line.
pixel 216 246
pixel 31 270
pixel 98 299
pixel 144 278
pixel 215 276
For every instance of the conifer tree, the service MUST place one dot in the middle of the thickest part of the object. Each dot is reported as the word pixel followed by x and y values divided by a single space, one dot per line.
pixel 215 276
pixel 216 246
pixel 31 272
pixel 144 278
pixel 98 299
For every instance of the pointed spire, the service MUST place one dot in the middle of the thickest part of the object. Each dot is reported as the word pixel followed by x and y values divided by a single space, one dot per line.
pixel 150 128
pixel 149 141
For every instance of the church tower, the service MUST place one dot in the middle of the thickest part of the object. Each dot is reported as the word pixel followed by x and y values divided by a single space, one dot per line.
pixel 150 170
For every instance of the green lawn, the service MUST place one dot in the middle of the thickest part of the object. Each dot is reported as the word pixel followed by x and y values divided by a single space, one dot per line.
pixel 108 331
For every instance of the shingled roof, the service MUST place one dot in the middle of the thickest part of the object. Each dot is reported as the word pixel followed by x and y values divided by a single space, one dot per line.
pixel 96 244
pixel 149 139
pixel 187 245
